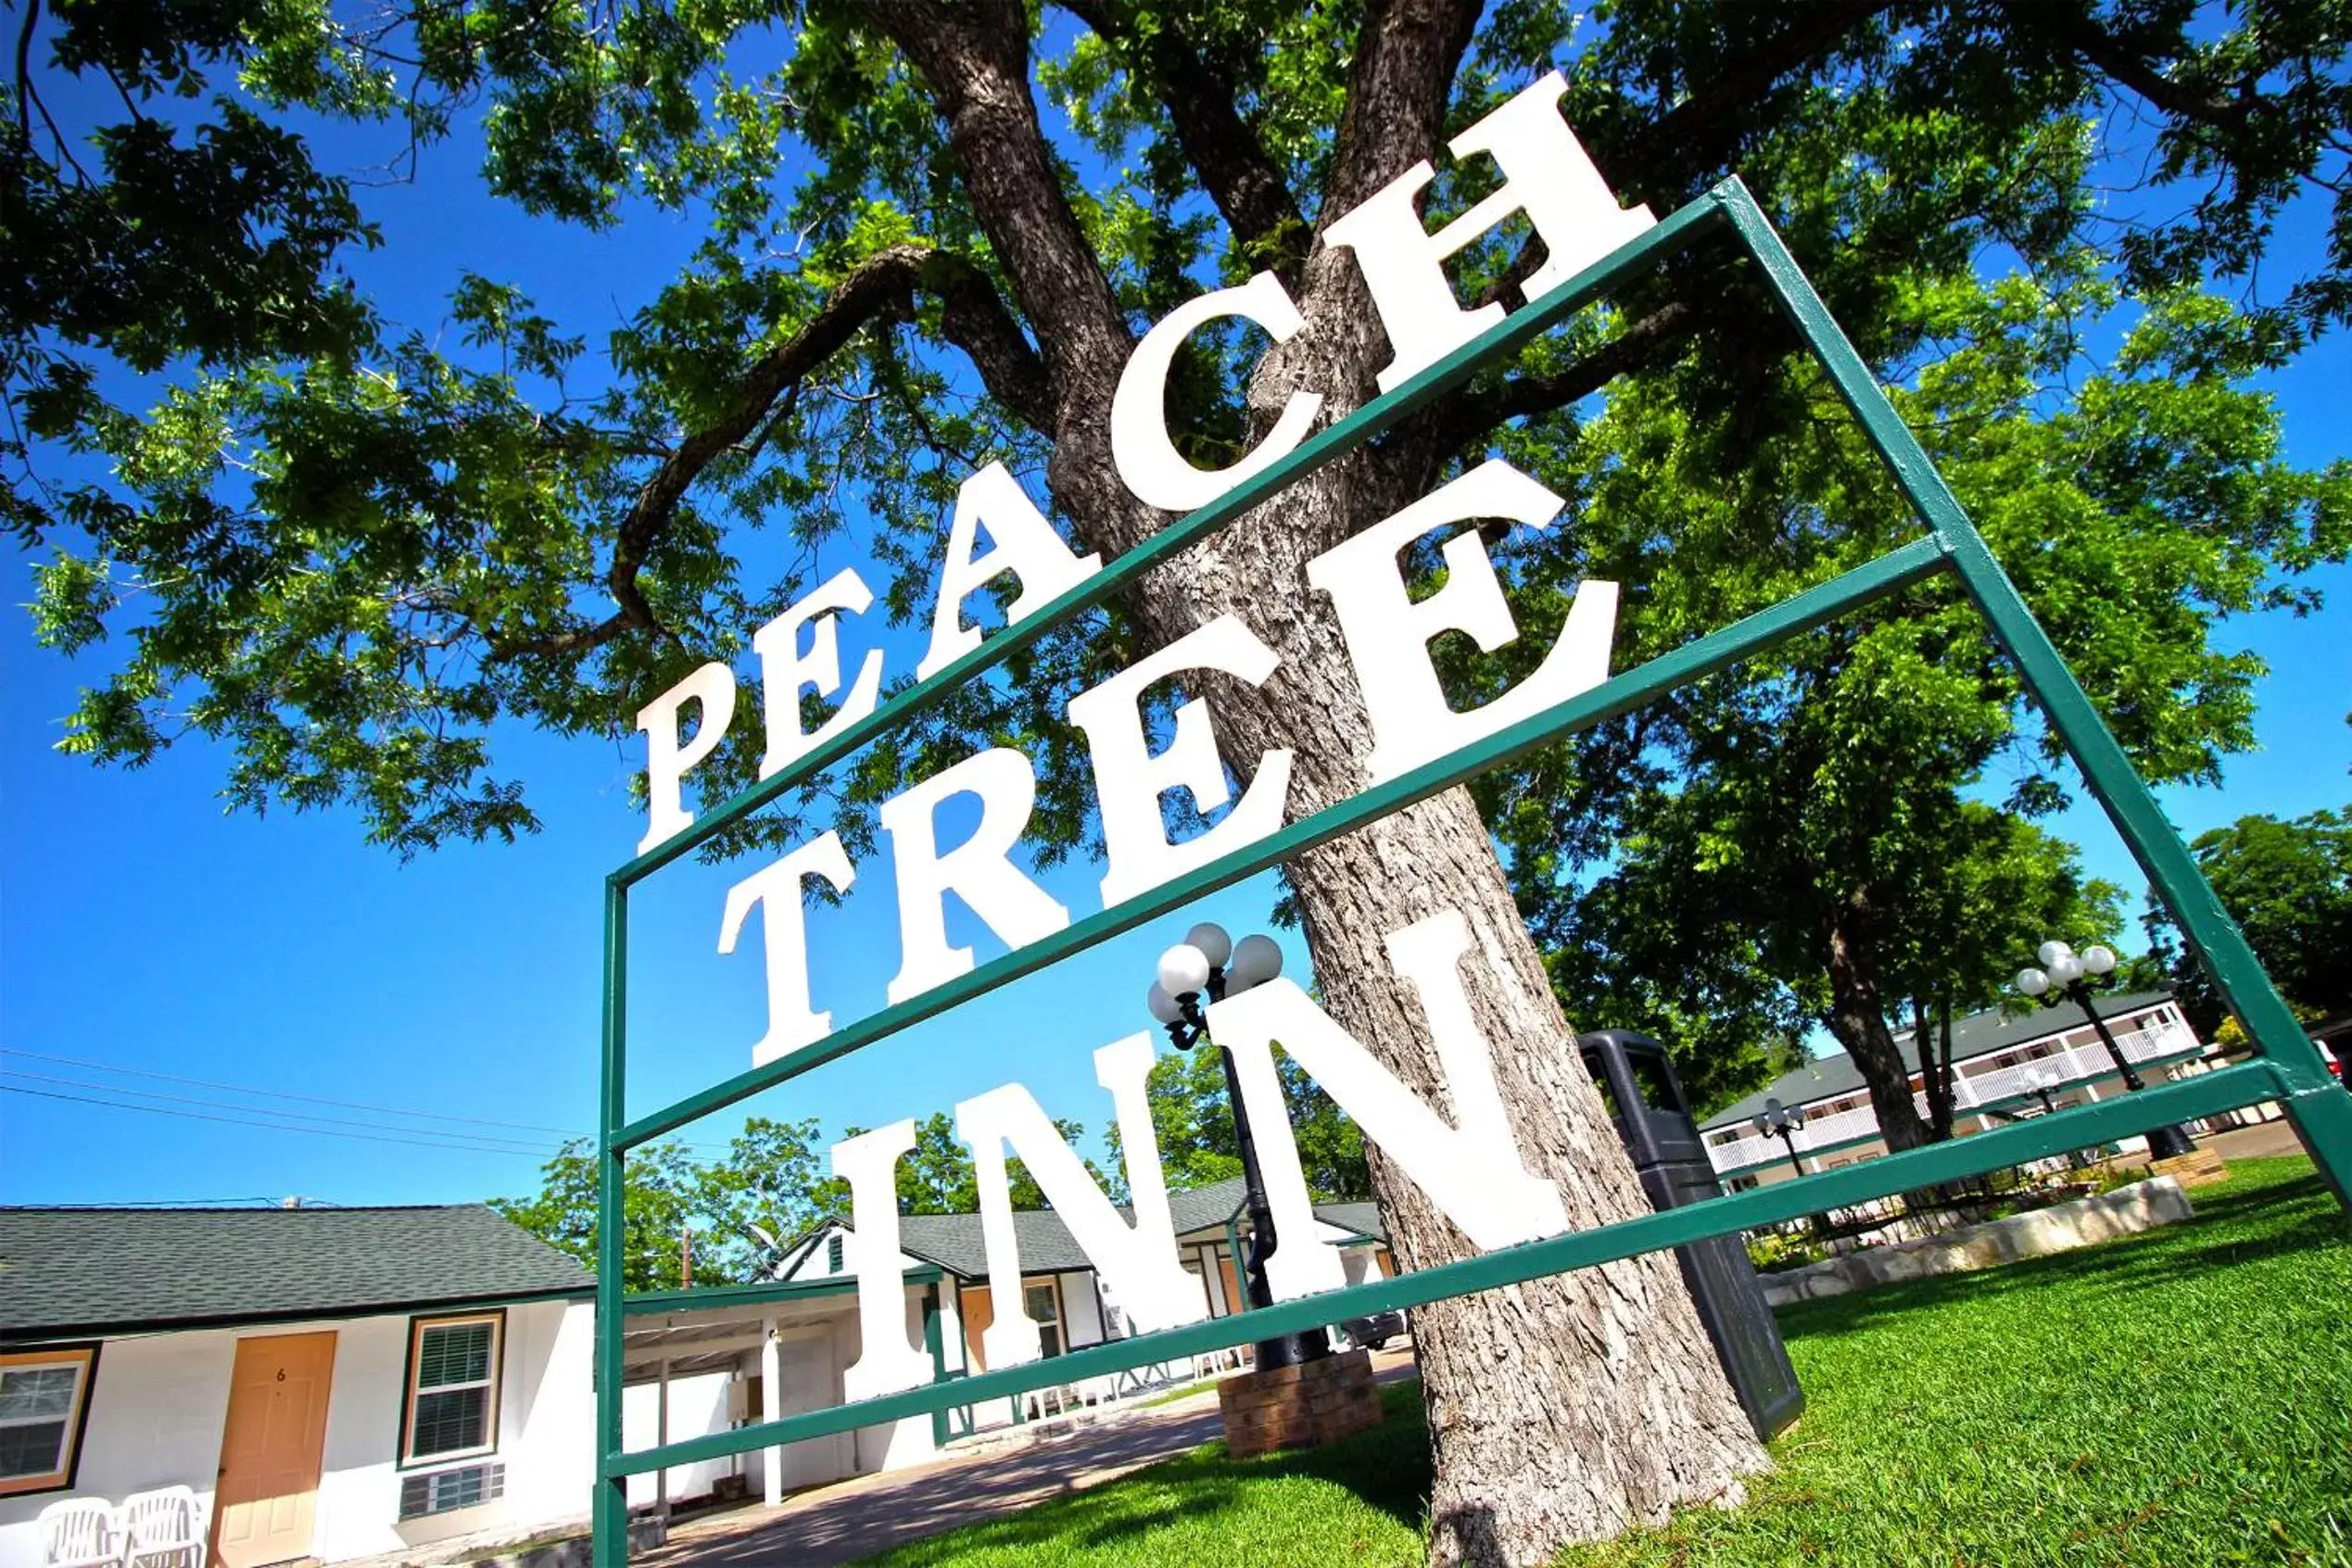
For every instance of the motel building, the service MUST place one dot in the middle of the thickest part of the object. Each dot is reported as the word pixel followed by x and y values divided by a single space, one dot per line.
pixel 2003 1065
pixel 739 1355
pixel 1072 1304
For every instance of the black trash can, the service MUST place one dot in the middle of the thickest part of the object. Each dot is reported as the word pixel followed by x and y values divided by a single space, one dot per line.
pixel 1637 1081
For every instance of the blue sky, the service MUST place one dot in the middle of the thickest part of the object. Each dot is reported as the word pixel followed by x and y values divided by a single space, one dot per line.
pixel 154 949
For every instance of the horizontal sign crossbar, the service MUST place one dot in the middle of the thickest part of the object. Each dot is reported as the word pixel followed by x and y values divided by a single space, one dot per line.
pixel 2205 1095
pixel 1715 651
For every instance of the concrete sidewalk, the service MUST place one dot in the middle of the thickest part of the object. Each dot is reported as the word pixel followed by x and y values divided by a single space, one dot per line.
pixel 828 1526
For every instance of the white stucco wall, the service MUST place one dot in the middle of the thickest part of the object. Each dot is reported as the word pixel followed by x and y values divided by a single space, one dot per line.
pixel 698 1407
pixel 1081 1310
pixel 158 1404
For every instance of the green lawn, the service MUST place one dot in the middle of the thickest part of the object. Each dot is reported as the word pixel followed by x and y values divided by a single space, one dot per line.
pixel 2175 1400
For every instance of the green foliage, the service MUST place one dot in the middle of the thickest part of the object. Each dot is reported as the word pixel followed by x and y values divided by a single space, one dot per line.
pixel 1771 1251
pixel 350 552
pixel 1809 836
pixel 657 1214
pixel 769 1187
pixel 2288 885
pixel 1193 1114
pixel 937 1177
pixel 769 1180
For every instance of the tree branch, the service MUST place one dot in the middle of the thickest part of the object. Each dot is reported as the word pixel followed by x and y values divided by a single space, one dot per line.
pixel 1407 52
pixel 1661 162
pixel 2082 32
pixel 973 56
pixel 1698 135
pixel 1200 98
pixel 1644 342
pixel 877 288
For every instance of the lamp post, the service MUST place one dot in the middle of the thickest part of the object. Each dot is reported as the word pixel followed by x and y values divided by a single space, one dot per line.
pixel 2065 973
pixel 1210 960
pixel 2041 1079
pixel 1780 1121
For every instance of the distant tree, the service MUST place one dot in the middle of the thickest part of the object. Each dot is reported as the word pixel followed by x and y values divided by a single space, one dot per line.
pixel 2288 885
pixel 1193 1114
pixel 661 1202
pixel 1834 816
pixel 2000 887
pixel 771 1187
pixel 771 1179
pixel 936 1176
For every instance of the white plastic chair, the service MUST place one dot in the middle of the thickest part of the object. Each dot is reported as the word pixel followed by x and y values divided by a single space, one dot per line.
pixel 161 1529
pixel 80 1533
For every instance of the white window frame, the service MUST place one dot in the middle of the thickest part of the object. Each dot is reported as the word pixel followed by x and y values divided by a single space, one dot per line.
pixel 489 1445
pixel 84 1359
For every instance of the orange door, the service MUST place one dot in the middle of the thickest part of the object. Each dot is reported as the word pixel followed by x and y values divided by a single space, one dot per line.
pixel 978 1309
pixel 271 1450
pixel 1234 1300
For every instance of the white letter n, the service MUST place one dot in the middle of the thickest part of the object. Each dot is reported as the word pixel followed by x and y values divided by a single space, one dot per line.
pixel 1472 1170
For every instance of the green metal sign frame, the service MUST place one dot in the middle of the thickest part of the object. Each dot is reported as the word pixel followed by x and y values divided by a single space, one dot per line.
pixel 2286 1067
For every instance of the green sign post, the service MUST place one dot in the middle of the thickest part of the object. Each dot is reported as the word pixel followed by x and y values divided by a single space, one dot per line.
pixel 2286 1068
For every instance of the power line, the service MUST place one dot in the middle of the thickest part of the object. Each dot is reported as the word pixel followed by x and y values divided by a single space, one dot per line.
pixel 180 1203
pixel 273 1126
pixel 567 1133
pixel 274 1115
pixel 285 1094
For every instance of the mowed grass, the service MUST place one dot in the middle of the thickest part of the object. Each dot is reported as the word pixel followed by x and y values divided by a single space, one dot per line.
pixel 2176 1399
pixel 1359 1502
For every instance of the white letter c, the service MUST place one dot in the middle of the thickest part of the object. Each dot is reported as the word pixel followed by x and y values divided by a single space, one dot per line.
pixel 1147 460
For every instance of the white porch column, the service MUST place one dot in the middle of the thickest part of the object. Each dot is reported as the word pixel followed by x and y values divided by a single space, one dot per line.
pixel 771 1373
pixel 661 1439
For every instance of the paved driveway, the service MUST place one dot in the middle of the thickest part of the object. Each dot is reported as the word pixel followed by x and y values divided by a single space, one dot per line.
pixel 834 1525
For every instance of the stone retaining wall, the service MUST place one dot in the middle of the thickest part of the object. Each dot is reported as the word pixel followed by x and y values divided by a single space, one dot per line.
pixel 2060 1228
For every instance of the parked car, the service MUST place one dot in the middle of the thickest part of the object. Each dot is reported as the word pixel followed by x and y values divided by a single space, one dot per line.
pixel 1372 1333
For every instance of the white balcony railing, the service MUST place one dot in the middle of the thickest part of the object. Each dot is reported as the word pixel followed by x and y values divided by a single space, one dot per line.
pixel 2074 1064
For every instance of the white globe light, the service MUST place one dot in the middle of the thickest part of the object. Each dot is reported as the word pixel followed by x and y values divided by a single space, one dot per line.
pixel 2067 971
pixel 2054 951
pixel 1183 970
pixel 2034 982
pixel 1214 945
pixel 2098 960
pixel 1257 959
pixel 1164 1007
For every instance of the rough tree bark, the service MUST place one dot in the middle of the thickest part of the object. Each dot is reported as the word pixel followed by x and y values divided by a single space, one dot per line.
pixel 1563 1410
pixel 1858 1018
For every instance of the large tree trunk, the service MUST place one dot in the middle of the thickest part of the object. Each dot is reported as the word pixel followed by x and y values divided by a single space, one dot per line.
pixel 1858 1018
pixel 1563 1410
pixel 1567 1409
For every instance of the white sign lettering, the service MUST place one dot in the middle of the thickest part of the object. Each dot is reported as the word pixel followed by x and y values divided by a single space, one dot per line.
pixel 1386 630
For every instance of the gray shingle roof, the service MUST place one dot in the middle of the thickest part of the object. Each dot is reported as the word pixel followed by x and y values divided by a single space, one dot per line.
pixel 1361 1218
pixel 89 1271
pixel 1978 1034
pixel 953 1242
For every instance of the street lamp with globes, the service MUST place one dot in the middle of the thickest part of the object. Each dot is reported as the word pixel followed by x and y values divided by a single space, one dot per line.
pixel 1783 1123
pixel 2063 973
pixel 1209 961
